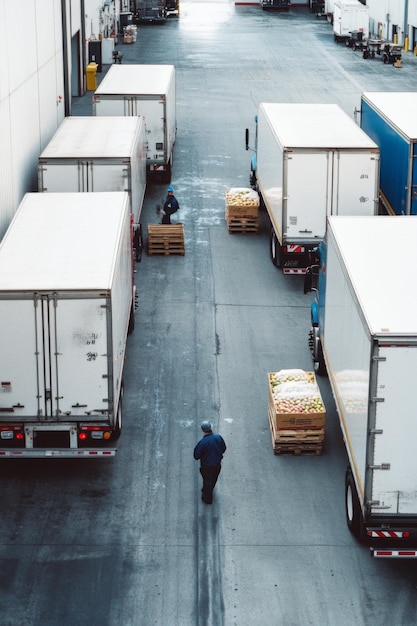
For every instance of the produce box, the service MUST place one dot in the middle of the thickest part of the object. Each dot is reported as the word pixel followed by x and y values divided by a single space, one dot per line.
pixel 242 202
pixel 295 401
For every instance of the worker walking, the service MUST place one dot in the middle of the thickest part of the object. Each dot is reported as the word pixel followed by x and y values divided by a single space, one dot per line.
pixel 171 206
pixel 209 451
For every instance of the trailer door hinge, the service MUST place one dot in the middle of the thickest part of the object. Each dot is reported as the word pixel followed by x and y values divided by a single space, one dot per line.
pixel 383 466
pixel 377 399
pixel 376 431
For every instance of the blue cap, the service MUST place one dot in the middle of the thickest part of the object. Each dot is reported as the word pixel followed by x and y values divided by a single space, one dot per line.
pixel 170 188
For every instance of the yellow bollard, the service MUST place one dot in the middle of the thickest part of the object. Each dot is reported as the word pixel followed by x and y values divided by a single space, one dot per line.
pixel 91 76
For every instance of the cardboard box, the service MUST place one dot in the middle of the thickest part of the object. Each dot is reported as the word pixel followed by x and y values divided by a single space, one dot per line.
pixel 242 202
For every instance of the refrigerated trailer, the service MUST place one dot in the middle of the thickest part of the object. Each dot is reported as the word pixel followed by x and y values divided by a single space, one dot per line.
pixel 349 16
pixel 97 154
pixel 148 91
pixel 310 161
pixel 364 333
pixel 66 307
pixel 390 119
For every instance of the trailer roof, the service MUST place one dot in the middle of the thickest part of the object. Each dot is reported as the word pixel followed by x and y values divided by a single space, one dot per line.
pixel 399 107
pixel 380 255
pixel 63 241
pixel 94 137
pixel 316 126
pixel 150 80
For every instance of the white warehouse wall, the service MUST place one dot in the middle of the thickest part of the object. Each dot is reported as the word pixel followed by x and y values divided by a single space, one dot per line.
pixel 101 19
pixel 385 15
pixel 31 94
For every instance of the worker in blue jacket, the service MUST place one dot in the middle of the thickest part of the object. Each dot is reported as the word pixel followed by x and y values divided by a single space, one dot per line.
pixel 209 451
pixel 171 206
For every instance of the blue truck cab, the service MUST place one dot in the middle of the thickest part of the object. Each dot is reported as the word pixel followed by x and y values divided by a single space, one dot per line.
pixel 315 280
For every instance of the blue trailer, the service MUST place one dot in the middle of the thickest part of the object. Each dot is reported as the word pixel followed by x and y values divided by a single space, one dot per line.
pixel 390 119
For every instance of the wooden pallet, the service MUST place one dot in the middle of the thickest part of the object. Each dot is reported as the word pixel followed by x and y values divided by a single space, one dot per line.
pixel 242 225
pixel 295 441
pixel 166 239
pixel 298 450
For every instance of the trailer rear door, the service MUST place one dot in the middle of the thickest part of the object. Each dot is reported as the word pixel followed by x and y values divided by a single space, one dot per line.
pixel 394 485
pixel 355 183
pixel 54 361
pixel 98 175
pixel 306 220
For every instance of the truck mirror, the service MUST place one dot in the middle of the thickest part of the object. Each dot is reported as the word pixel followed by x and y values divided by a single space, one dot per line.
pixel 247 138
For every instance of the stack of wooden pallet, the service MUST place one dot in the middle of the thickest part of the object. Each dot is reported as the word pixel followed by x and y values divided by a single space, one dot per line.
pixel 296 412
pixel 166 239
pixel 242 210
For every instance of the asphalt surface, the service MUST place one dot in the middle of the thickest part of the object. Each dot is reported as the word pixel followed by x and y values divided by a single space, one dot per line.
pixel 128 542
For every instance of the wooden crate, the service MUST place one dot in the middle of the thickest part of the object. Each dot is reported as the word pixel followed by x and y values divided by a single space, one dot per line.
pixel 166 239
pixel 295 441
pixel 296 421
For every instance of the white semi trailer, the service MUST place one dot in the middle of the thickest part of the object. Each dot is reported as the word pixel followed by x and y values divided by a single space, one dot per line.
pixel 310 161
pixel 148 91
pixel 66 307
pixel 364 333
pixel 89 154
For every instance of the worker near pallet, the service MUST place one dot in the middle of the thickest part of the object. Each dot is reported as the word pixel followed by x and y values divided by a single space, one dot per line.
pixel 171 206
pixel 209 451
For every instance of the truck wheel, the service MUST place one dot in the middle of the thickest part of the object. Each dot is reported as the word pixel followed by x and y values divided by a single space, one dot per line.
pixel 354 47
pixel 118 428
pixel 319 364
pixel 274 248
pixel 131 326
pixel 138 244
pixel 353 509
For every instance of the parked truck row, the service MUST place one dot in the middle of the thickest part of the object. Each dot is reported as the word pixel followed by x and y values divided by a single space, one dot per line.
pixel 331 188
pixel 67 288
pixel 367 343
pixel 350 22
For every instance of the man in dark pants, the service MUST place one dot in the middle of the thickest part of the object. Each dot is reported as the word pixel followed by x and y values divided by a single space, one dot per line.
pixel 209 451
pixel 171 206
